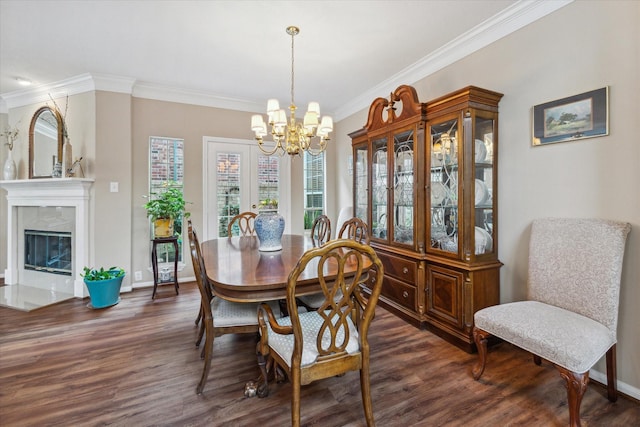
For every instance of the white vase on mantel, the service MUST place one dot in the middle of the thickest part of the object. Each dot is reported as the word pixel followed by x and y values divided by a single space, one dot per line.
pixel 67 157
pixel 10 170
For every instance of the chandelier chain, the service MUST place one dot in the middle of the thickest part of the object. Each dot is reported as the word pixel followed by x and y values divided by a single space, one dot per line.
pixel 293 34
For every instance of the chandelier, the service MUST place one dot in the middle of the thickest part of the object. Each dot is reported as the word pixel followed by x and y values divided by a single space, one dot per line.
pixel 291 136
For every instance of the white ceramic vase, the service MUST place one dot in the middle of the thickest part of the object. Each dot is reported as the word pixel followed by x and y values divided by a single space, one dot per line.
pixel 10 170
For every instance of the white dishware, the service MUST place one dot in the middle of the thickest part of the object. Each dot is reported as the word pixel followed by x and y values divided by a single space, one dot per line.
pixel 483 241
pixel 482 193
pixel 481 151
pixel 438 193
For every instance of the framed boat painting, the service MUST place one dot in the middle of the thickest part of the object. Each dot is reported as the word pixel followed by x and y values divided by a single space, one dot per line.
pixel 569 119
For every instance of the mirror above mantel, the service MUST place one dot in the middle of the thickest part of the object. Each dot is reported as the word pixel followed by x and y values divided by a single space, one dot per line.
pixel 45 142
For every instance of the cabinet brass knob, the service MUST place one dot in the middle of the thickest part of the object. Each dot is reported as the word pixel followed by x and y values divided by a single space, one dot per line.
pixel 405 294
pixel 405 270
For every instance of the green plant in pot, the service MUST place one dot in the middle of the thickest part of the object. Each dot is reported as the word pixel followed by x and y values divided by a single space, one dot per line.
pixel 164 208
pixel 103 285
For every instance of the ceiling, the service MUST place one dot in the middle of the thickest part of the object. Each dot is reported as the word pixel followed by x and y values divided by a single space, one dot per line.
pixel 347 52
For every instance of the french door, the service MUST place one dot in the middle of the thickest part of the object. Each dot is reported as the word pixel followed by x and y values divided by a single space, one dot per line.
pixel 237 176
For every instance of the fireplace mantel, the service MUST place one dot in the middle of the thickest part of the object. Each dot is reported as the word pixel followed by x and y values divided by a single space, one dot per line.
pixel 64 192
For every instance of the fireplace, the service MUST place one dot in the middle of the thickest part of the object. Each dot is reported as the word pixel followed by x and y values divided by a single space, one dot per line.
pixel 48 233
pixel 48 251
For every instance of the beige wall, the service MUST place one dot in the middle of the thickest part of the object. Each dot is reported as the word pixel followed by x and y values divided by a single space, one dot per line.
pixel 583 46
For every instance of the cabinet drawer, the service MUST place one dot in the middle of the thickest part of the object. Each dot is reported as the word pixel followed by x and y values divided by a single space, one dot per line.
pixel 400 268
pixel 397 291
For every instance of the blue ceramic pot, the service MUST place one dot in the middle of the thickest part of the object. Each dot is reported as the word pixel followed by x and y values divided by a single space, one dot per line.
pixel 104 293
pixel 269 226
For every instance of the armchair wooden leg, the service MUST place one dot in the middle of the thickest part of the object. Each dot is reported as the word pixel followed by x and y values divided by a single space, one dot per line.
pixel 263 388
pixel 200 335
pixel 365 386
pixel 612 388
pixel 480 338
pixel 208 349
pixel 199 316
pixel 576 386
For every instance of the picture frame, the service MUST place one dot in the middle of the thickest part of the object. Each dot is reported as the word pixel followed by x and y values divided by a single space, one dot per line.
pixel 581 116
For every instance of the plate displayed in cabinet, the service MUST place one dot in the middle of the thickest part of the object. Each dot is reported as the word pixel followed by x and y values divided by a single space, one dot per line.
pixel 483 241
pixel 481 151
pixel 438 193
pixel 482 192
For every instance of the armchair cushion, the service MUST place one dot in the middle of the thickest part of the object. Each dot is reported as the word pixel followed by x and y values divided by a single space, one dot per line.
pixel 563 337
pixel 310 322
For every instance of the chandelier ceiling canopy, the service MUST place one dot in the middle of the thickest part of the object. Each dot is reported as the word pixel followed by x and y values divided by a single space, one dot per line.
pixel 292 137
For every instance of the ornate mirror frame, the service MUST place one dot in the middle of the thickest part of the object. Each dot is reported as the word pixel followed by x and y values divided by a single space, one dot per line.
pixel 32 140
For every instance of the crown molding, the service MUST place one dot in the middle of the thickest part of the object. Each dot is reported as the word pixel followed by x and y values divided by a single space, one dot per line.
pixel 498 26
pixel 511 19
pixel 185 96
pixel 71 86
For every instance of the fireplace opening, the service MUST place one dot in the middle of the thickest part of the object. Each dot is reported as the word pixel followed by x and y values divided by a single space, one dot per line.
pixel 48 251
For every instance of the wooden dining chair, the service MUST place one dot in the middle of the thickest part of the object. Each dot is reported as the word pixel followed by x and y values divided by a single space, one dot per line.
pixel 355 229
pixel 332 340
pixel 243 222
pixel 352 228
pixel 570 315
pixel 321 230
pixel 219 315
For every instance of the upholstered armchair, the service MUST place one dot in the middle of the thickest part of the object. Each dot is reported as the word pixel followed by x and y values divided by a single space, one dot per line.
pixel 570 316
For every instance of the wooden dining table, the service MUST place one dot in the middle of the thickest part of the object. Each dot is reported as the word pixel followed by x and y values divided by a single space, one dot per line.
pixel 238 271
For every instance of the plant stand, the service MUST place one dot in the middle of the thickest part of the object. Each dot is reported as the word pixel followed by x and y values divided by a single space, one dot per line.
pixel 157 279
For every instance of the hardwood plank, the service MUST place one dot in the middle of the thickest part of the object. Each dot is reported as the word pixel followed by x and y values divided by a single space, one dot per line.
pixel 136 364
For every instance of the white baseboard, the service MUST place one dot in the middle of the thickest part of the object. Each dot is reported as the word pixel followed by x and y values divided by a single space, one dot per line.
pixel 139 285
pixel 622 386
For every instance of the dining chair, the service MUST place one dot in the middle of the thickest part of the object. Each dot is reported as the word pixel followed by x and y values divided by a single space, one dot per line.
pixel 352 228
pixel 321 230
pixel 345 213
pixel 355 229
pixel 570 315
pixel 243 222
pixel 332 340
pixel 219 316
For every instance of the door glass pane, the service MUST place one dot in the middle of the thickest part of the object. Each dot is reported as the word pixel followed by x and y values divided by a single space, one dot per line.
pixel 228 189
pixel 361 178
pixel 483 195
pixel 379 189
pixel 403 187
pixel 444 186
pixel 268 175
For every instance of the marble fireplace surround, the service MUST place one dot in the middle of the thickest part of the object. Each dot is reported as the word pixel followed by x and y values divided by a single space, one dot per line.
pixel 52 192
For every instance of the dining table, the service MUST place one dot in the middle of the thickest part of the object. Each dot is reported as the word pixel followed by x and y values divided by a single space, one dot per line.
pixel 238 271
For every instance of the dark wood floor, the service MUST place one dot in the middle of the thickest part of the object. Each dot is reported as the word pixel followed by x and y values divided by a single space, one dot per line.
pixel 135 364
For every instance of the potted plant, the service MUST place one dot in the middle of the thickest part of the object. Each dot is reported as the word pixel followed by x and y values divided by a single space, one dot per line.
pixel 164 208
pixel 103 285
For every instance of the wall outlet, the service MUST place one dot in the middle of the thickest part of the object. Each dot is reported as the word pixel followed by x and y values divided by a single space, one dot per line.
pixel 138 275
pixel 113 187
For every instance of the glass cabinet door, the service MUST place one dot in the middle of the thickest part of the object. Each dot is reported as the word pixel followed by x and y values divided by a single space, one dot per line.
pixel 484 205
pixel 444 184
pixel 403 188
pixel 361 187
pixel 379 188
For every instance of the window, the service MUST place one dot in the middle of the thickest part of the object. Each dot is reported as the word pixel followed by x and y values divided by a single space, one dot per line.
pixel 166 167
pixel 314 167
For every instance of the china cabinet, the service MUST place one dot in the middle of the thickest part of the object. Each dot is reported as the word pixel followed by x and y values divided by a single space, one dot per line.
pixel 425 182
